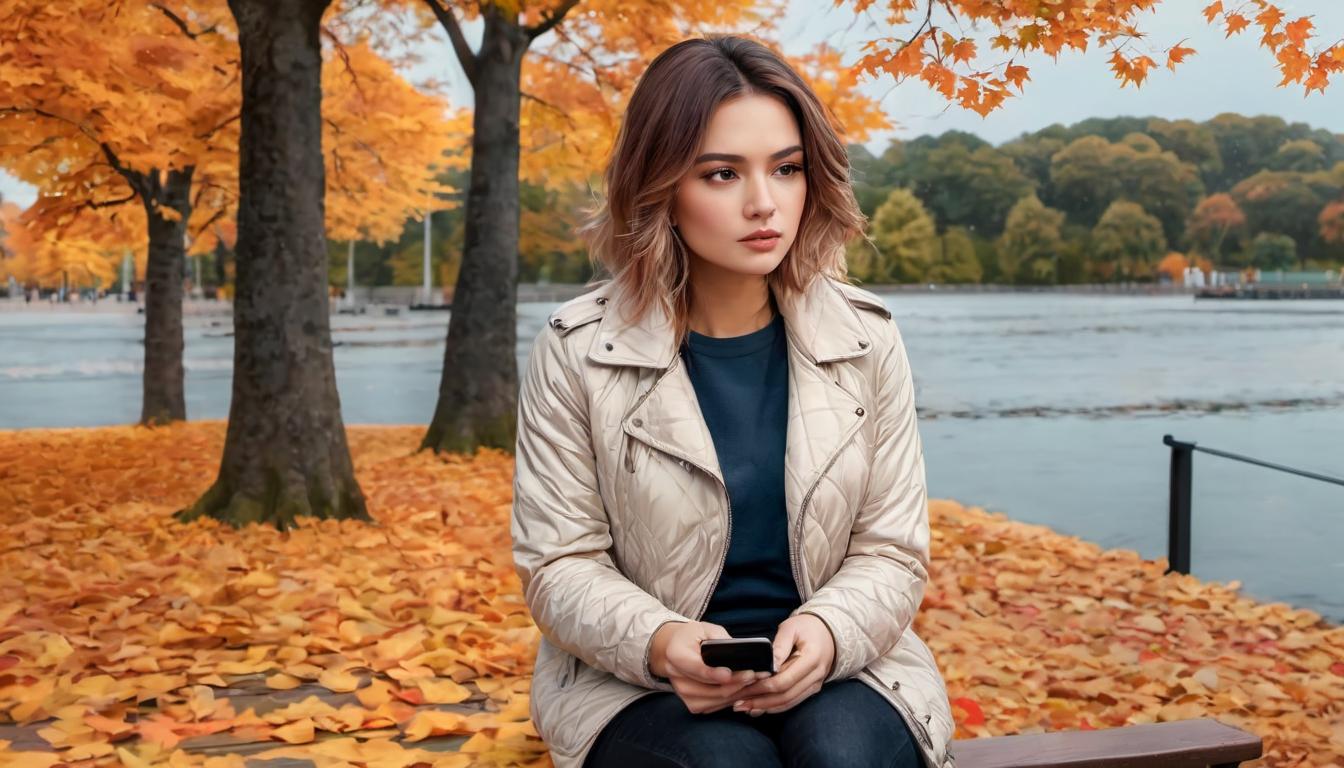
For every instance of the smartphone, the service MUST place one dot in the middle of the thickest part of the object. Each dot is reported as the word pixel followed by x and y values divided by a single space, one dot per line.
pixel 740 653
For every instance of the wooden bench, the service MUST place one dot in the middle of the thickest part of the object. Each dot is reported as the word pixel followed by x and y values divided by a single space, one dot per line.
pixel 1198 743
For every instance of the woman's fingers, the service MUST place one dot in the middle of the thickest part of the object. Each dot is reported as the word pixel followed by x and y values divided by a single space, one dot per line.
pixel 794 669
pixel 691 687
pixel 786 698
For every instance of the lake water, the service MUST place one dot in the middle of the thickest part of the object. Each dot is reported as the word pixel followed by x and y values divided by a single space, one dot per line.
pixel 1048 407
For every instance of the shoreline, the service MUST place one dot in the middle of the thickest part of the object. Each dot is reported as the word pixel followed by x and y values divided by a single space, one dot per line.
pixel 392 296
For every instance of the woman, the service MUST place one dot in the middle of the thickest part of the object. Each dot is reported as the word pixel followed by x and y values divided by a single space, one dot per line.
pixel 720 441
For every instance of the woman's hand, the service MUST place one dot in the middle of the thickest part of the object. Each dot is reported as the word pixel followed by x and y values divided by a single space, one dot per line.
pixel 804 652
pixel 676 655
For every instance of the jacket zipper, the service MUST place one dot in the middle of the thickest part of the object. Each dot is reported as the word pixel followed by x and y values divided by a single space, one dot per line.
pixel 723 558
pixel 802 512
pixel 728 537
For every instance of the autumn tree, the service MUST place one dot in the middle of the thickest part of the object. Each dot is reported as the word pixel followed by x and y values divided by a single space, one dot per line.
pixel 113 104
pixel 1127 241
pixel 906 239
pixel 955 260
pixel 1331 222
pixel 1173 265
pixel 1030 245
pixel 285 453
pixel 1215 219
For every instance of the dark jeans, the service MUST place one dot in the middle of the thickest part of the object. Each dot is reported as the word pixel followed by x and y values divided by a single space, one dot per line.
pixel 846 723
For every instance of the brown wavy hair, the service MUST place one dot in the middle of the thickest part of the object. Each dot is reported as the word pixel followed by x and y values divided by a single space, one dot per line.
pixel 629 234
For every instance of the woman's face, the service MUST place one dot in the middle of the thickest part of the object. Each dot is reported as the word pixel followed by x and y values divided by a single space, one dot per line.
pixel 747 176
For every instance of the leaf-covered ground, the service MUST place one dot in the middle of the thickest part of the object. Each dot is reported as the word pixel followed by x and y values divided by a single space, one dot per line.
pixel 126 637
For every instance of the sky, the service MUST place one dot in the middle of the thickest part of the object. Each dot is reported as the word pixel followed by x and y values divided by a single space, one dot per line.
pixel 1224 75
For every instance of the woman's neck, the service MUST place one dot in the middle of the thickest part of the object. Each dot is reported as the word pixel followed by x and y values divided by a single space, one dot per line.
pixel 727 304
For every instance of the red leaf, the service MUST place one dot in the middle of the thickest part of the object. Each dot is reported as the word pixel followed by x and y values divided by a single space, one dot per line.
pixel 974 715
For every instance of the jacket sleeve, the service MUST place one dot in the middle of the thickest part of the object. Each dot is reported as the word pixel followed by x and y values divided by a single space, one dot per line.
pixel 576 595
pixel 872 598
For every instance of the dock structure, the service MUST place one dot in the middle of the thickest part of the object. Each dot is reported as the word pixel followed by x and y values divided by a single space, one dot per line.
pixel 1280 284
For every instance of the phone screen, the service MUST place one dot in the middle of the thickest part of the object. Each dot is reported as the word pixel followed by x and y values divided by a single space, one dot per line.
pixel 756 654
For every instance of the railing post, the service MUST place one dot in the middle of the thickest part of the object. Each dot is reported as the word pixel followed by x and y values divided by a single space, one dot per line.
pixel 1178 524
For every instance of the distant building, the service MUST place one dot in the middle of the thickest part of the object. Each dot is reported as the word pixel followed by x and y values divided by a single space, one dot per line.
pixel 1296 278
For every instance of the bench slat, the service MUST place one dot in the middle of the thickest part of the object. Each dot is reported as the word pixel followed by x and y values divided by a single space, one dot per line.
pixel 1193 743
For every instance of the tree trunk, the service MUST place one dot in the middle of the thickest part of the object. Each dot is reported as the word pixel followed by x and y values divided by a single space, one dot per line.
pixel 221 268
pixel 285 453
pixel 478 389
pixel 163 398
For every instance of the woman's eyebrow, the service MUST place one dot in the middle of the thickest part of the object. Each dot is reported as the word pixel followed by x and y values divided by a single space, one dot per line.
pixel 739 159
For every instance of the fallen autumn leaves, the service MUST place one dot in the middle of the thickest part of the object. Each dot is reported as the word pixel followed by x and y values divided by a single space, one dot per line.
pixel 126 637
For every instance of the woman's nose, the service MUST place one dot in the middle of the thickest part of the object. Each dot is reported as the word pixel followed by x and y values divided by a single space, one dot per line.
pixel 761 204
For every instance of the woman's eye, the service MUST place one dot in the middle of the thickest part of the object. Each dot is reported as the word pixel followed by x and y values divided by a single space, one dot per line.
pixel 714 175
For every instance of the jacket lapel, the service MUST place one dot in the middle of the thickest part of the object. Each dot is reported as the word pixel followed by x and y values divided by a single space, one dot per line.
pixel 821 326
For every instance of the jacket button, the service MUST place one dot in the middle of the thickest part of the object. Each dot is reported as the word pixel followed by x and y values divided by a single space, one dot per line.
pixel 608 346
pixel 895 685
pixel 638 422
pixel 858 411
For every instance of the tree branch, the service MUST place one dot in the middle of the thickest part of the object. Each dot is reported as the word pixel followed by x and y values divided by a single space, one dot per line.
pixel 218 213
pixel 181 23
pixel 210 132
pixel 110 203
pixel 568 118
pixel 134 178
pixel 465 55
pixel 548 22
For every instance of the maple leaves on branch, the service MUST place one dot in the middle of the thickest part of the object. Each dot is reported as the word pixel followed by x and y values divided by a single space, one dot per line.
pixel 949 61
pixel 100 103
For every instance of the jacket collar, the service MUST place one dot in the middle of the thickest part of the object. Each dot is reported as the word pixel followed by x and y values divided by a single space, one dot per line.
pixel 820 324
pixel 820 320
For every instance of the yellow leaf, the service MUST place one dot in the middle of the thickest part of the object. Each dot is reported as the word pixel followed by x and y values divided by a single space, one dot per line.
pixel 282 682
pixel 339 679
pixel 438 691
pixel 434 722
pixel 297 732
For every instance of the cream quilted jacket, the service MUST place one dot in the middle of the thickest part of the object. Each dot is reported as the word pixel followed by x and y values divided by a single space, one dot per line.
pixel 621 519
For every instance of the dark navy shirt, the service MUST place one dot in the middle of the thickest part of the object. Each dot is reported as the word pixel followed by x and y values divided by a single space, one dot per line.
pixel 742 385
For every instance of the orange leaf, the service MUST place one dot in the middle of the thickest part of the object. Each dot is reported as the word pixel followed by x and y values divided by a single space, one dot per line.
pixel 297 732
pixel 974 715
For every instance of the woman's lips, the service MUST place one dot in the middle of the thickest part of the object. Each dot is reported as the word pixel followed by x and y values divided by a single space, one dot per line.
pixel 761 244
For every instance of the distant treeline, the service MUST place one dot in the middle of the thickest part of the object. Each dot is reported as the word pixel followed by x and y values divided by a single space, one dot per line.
pixel 1101 200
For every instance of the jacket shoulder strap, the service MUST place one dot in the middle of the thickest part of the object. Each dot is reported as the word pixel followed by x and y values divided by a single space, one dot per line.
pixel 580 310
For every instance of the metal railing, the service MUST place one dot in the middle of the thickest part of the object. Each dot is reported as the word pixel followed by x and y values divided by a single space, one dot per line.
pixel 1182 466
